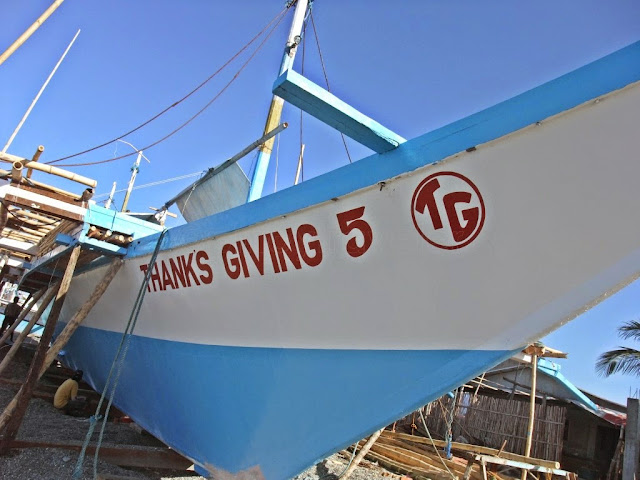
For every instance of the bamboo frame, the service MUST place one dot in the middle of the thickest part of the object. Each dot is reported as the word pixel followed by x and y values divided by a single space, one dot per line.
pixel 7 157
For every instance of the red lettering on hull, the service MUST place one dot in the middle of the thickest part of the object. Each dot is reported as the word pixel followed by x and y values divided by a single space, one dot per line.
pixel 179 272
pixel 298 247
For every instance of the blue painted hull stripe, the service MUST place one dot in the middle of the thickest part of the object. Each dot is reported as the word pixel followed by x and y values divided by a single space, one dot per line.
pixel 281 409
pixel 603 76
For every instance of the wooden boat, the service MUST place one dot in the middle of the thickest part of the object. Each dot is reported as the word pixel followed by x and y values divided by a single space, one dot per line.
pixel 277 332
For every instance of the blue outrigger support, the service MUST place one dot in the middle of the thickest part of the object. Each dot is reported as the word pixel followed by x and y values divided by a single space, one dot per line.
pixel 326 107
pixel 103 218
pixel 317 102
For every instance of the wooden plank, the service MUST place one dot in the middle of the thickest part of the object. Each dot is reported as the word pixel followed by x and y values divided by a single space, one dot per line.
pixel 416 460
pixel 484 459
pixel 318 102
pixel 49 204
pixel 415 473
pixel 471 448
pixel 124 456
pixel 424 454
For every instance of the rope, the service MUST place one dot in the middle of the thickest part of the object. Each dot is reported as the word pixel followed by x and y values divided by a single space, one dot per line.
pixel 448 434
pixel 424 424
pixel 176 103
pixel 338 477
pixel 326 78
pixel 116 367
pixel 198 113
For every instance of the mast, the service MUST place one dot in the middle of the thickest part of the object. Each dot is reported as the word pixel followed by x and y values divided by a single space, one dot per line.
pixel 275 110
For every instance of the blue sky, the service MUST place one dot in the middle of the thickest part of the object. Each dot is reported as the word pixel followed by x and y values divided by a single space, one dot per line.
pixel 412 65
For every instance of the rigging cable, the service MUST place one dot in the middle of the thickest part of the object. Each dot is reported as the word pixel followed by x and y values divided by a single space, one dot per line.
pixel 198 113
pixel 326 79
pixel 116 368
pixel 153 184
pixel 278 17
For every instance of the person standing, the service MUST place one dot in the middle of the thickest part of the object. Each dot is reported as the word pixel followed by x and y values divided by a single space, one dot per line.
pixel 11 313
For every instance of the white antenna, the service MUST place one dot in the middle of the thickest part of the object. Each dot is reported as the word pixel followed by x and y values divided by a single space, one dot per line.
pixel 134 173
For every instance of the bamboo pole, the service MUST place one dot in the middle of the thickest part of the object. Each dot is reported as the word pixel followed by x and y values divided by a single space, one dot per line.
pixel 11 417
pixel 36 157
pixel 365 449
pixel 81 314
pixel 33 183
pixel 16 345
pixel 35 216
pixel 29 31
pixel 16 172
pixel 25 311
pixel 532 407
pixel 35 100
pixel 7 157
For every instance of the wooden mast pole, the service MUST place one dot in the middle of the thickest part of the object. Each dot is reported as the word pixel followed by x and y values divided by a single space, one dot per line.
pixel 29 31
pixel 275 110
pixel 11 417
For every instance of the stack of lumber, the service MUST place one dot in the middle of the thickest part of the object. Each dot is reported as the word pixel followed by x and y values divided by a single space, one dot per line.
pixel 417 457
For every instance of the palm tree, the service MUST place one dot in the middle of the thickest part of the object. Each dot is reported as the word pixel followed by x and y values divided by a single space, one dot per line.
pixel 623 359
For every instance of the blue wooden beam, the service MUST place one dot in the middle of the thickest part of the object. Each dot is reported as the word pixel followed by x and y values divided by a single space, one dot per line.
pixel 119 222
pixel 326 107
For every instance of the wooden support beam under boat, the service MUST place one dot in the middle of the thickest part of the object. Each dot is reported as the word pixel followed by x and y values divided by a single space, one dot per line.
pixel 25 311
pixel 132 456
pixel 16 345
pixel 80 315
pixel 326 107
pixel 11 417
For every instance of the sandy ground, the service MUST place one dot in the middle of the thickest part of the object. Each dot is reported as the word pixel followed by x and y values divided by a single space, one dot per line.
pixel 45 423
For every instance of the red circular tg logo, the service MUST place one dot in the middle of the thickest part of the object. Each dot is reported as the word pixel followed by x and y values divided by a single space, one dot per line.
pixel 447 210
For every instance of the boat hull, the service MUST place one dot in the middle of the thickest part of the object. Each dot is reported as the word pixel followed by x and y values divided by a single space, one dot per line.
pixel 267 341
pixel 276 410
